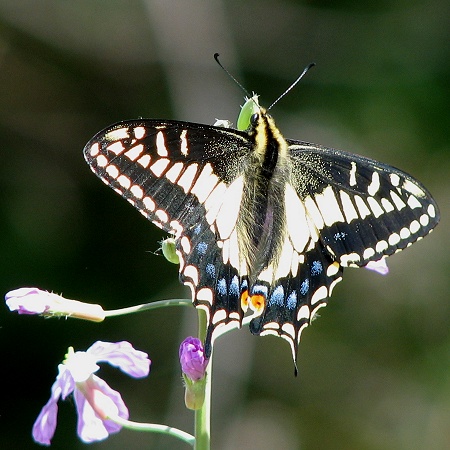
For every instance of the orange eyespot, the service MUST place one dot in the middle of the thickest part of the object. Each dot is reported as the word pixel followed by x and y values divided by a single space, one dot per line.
pixel 244 301
pixel 257 302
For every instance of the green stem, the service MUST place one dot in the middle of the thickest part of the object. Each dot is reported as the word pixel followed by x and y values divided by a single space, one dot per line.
pixel 203 415
pixel 148 306
pixel 155 428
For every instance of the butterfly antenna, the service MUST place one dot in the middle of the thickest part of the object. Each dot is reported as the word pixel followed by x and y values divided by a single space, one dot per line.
pixel 216 57
pixel 292 85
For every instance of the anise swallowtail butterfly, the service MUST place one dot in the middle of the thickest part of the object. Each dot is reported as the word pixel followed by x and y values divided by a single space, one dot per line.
pixel 262 224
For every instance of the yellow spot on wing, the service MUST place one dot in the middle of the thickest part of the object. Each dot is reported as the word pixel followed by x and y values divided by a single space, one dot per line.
pixel 161 145
pixel 329 207
pixel 296 219
pixel 116 135
pixel 187 178
pixel 227 217
pixel 134 152
pixel 205 183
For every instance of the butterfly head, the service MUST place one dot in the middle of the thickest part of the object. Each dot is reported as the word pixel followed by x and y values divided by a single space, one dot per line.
pixel 250 112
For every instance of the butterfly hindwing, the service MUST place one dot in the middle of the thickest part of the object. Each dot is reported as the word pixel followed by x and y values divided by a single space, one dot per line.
pixel 300 288
pixel 215 284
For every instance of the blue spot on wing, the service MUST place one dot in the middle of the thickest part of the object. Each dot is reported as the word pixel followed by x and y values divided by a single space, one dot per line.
pixel 211 270
pixel 340 236
pixel 291 301
pixel 234 286
pixel 316 268
pixel 304 287
pixel 277 297
pixel 259 289
pixel 202 247
pixel 222 287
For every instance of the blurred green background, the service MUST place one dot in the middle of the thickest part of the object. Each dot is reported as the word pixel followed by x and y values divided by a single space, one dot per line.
pixel 374 370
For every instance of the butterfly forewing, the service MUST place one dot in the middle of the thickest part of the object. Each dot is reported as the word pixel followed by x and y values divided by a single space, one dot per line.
pixel 164 168
pixel 363 209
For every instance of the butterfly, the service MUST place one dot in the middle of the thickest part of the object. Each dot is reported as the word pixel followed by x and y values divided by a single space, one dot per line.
pixel 262 225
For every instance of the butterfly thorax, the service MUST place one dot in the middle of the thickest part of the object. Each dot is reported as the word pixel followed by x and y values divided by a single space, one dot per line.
pixel 261 227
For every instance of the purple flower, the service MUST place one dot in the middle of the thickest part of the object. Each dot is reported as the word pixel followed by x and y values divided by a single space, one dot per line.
pixel 95 401
pixel 193 365
pixel 36 301
pixel 192 358
pixel 379 266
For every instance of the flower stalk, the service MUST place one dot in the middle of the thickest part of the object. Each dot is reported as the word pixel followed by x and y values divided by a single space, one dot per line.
pixel 35 301
pixel 149 306
pixel 154 428
pixel 203 415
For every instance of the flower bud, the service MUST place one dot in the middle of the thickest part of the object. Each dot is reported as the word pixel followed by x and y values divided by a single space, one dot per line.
pixel 192 358
pixel 193 364
pixel 39 302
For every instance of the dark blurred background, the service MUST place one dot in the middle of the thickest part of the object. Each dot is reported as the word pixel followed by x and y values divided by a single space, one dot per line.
pixel 374 370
